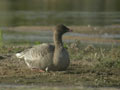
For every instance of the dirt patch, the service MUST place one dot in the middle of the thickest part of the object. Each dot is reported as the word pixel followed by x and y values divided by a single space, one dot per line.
pixel 83 71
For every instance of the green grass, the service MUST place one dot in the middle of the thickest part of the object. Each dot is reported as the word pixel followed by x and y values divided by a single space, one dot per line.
pixel 91 65
pixel 1 38
pixel 101 62
pixel 95 56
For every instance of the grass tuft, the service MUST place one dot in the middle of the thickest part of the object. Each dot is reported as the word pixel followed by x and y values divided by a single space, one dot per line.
pixel 91 65
pixel 1 38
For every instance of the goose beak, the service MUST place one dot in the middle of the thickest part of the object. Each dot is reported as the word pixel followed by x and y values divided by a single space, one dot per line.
pixel 70 30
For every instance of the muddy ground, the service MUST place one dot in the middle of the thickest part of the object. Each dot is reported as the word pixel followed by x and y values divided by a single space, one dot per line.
pixel 91 65
pixel 85 69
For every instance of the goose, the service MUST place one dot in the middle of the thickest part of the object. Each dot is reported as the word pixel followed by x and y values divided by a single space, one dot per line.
pixel 46 56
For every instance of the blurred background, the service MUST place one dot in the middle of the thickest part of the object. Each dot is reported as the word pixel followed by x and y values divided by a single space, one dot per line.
pixel 93 46
pixel 51 12
pixel 100 18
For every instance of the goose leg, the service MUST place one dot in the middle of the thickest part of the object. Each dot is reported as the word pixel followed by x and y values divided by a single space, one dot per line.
pixel 37 70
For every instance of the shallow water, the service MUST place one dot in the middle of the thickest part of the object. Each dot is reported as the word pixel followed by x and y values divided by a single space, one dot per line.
pixel 46 12
pixel 47 36
pixel 18 18
pixel 70 12
pixel 32 87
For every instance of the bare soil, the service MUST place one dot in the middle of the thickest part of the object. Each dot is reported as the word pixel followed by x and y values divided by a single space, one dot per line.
pixel 80 73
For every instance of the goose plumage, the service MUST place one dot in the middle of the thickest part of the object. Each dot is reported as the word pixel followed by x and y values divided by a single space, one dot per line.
pixel 46 56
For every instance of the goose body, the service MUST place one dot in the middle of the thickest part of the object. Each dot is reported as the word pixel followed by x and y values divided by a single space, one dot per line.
pixel 46 56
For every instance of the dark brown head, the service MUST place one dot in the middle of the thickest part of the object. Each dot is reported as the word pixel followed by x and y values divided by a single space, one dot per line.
pixel 61 29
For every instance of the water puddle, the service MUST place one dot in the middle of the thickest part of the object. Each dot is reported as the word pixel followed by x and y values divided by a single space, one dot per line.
pixel 47 36
pixel 53 17
pixel 35 87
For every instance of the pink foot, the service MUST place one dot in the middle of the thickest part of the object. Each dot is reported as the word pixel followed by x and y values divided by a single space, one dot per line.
pixel 37 70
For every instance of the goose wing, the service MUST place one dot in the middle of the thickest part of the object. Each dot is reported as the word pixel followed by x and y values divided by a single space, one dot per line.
pixel 39 56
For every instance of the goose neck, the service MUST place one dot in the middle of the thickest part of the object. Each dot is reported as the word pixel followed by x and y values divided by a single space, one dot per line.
pixel 58 40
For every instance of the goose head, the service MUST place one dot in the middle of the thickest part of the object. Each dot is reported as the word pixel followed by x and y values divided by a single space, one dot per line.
pixel 61 29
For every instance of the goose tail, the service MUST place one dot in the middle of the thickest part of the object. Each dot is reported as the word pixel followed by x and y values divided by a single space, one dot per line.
pixel 19 55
